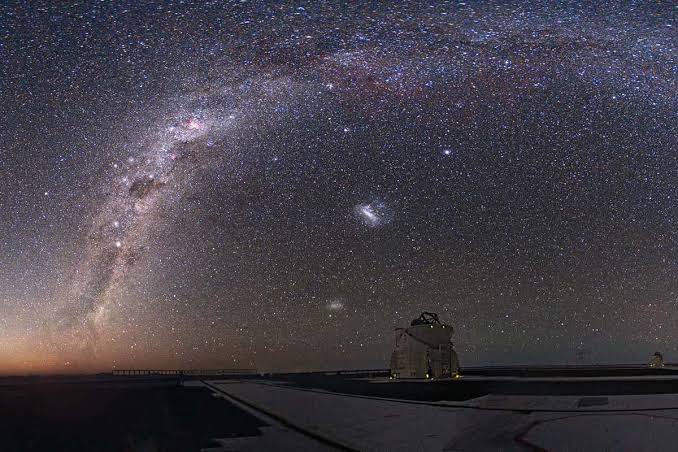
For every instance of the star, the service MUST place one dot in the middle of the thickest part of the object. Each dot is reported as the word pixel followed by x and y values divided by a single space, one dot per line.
pixel 216 165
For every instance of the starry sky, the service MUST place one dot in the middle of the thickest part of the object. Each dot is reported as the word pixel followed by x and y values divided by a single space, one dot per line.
pixel 280 184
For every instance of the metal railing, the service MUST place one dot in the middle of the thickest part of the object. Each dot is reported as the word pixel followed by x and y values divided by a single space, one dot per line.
pixel 186 372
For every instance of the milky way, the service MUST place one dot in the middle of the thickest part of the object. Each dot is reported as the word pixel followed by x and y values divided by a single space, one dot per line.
pixel 280 185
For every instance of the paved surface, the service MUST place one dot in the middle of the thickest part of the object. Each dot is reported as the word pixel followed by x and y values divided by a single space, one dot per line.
pixel 510 423
pixel 271 436
pixel 358 422
pixel 129 414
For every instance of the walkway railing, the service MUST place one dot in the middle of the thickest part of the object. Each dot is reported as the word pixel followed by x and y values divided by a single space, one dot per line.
pixel 187 372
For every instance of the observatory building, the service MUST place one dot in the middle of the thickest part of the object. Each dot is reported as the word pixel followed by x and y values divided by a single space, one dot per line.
pixel 424 350
pixel 657 360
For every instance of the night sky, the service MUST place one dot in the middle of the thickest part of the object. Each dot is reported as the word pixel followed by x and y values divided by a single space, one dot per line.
pixel 258 184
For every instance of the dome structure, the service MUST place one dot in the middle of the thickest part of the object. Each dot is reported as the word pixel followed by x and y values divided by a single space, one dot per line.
pixel 424 350
pixel 657 360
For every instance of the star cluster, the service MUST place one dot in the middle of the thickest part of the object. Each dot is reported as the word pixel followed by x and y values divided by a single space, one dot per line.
pixel 279 185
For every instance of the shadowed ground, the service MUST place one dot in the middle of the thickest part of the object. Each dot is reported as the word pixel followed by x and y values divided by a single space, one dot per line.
pixel 62 415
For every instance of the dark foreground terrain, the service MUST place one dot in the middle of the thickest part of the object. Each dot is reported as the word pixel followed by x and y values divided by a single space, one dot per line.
pixel 152 413
pixel 117 416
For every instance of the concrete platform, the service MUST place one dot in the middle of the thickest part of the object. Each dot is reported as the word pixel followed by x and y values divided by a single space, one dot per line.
pixel 489 423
